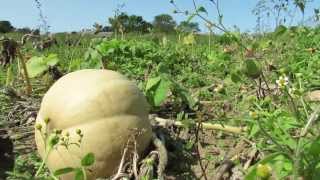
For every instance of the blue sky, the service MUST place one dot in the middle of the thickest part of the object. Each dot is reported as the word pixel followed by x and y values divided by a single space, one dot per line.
pixel 69 15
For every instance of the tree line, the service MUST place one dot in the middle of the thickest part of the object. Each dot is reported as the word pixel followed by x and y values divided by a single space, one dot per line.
pixel 163 23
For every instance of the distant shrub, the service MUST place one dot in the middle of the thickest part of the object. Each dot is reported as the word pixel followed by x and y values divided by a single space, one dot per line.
pixel 5 27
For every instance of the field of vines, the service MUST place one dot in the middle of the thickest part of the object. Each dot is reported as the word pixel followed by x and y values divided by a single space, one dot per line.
pixel 223 106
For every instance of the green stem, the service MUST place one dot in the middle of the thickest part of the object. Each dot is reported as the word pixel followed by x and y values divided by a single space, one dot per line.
pixel 304 107
pixel 43 163
pixel 270 137
pixel 294 106
pixel 296 164
pixel 84 173
pixel 54 177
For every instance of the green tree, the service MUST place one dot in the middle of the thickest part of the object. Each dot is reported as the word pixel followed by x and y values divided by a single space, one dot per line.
pixel 24 30
pixel 5 27
pixel 186 26
pixel 138 24
pixel 119 21
pixel 132 23
pixel 164 23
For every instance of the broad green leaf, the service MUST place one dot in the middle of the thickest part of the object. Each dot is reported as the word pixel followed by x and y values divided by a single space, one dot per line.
pixel 35 66
pixel 63 171
pixel 51 59
pixel 315 148
pixel 152 82
pixel 235 77
pixel 88 159
pixel 38 65
pixel 161 92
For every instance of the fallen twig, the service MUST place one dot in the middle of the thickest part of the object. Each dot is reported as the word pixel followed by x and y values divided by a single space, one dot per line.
pixel 208 126
pixel 163 155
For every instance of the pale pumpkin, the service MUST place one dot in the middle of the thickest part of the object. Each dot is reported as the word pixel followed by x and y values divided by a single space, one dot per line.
pixel 106 107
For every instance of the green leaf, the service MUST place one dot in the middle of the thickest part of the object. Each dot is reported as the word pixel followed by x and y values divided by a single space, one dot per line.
pixel 202 10
pixel 184 94
pixel 315 148
pixel 79 175
pixel 235 77
pixel 252 69
pixel 63 171
pixel 162 68
pixel 160 94
pixel 35 66
pixel 38 65
pixel 88 159
pixel 254 130
pixel 51 59
pixel 152 82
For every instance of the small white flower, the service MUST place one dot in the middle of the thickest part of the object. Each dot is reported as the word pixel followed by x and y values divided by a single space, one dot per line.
pixel 283 81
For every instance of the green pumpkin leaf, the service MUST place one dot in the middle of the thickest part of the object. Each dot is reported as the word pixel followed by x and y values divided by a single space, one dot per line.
pixel 37 65
pixel 152 82
pixel 161 92
pixel 88 159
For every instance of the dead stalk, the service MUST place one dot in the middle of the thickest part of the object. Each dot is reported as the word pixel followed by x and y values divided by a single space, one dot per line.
pixel 25 72
pixel 208 126
pixel 198 130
